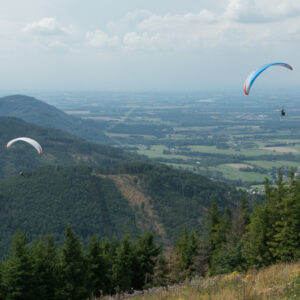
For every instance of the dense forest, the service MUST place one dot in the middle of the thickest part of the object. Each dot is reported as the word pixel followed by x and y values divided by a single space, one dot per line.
pixel 133 197
pixel 235 240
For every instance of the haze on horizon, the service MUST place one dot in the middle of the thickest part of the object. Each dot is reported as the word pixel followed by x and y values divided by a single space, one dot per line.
pixel 141 45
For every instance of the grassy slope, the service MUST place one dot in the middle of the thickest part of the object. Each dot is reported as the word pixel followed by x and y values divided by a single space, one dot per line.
pixel 278 282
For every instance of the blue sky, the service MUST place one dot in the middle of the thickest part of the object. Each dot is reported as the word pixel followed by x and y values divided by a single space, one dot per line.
pixel 158 45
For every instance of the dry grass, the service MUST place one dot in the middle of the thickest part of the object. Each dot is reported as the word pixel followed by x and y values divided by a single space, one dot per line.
pixel 273 283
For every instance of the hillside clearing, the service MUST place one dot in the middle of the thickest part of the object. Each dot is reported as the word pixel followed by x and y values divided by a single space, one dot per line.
pixel 130 188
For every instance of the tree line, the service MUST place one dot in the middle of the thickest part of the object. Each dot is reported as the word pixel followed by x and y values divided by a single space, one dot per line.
pixel 234 240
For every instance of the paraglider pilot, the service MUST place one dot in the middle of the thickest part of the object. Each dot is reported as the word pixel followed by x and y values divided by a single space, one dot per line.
pixel 21 173
pixel 282 112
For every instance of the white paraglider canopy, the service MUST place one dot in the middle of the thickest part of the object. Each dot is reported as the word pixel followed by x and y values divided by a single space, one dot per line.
pixel 30 141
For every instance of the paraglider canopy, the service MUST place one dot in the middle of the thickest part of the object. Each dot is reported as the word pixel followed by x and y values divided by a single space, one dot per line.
pixel 30 141
pixel 251 78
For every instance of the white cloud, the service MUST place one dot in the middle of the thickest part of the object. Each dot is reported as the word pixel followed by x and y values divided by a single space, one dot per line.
pixel 47 27
pixel 144 41
pixel 172 22
pixel 59 46
pixel 128 22
pixel 242 22
pixel 254 11
pixel 99 38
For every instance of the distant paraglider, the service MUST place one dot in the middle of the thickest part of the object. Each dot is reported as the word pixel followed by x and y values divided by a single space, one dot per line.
pixel 251 78
pixel 30 141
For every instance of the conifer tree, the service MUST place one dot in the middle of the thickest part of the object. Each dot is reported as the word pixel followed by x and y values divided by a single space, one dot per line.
pixel 73 268
pixel 216 232
pixel 229 257
pixel 109 252
pixel 98 281
pixel 286 244
pixel 18 271
pixel 46 269
pixel 186 249
pixel 146 253
pixel 274 198
pixel 255 248
pixel 183 251
pixel 122 269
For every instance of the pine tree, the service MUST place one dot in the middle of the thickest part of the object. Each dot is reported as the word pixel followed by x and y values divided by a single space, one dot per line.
pixel 73 268
pixel 286 244
pixel 122 269
pixel 109 252
pixel 229 257
pixel 46 269
pixel 97 269
pixel 17 274
pixel 216 228
pixel 255 248
pixel 186 249
pixel 145 257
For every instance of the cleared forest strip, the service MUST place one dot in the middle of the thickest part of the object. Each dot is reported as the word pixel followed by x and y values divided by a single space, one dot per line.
pixel 131 189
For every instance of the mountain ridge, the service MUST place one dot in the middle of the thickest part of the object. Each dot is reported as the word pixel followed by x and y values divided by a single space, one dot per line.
pixel 60 148
pixel 38 112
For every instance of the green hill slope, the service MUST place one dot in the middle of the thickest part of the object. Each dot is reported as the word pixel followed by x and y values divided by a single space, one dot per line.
pixel 60 148
pixel 35 111
pixel 134 198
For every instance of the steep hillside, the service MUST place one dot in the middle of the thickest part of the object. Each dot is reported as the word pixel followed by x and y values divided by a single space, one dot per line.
pixel 35 111
pixel 60 148
pixel 171 196
pixel 133 198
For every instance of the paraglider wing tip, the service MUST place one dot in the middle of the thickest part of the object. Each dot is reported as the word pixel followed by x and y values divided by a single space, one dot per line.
pixel 245 90
pixel 287 66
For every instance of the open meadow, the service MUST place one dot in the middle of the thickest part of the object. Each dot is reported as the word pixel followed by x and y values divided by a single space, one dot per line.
pixel 278 282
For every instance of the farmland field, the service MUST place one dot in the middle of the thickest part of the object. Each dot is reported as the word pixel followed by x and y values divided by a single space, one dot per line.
pixel 225 136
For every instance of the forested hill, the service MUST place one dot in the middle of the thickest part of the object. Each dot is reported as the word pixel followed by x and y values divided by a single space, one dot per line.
pixel 131 198
pixel 60 148
pixel 35 111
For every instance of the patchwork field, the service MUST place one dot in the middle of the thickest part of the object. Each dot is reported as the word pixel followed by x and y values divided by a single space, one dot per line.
pixel 225 137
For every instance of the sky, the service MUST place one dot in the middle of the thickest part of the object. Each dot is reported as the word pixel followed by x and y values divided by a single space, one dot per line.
pixel 139 45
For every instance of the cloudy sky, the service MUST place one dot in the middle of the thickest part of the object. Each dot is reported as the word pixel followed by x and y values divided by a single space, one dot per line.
pixel 157 45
